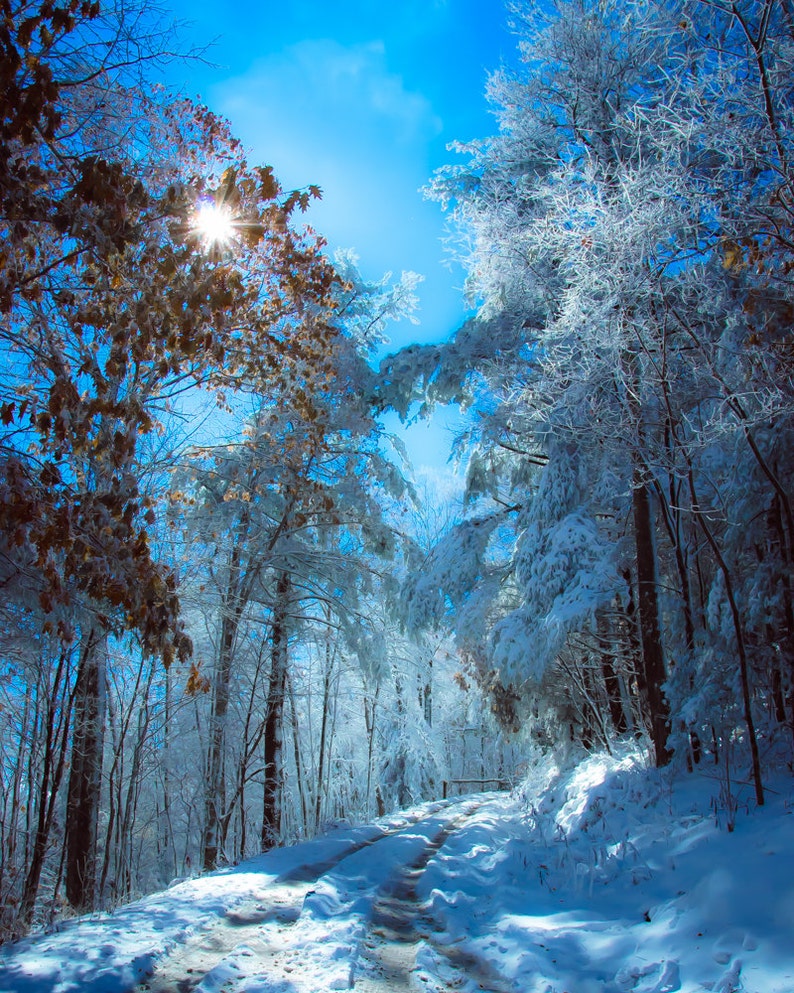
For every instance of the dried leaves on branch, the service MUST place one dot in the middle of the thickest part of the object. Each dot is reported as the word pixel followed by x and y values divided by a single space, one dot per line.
pixel 113 305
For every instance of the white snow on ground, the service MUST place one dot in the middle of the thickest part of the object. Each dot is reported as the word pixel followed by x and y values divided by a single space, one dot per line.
pixel 601 879
pixel 110 953
pixel 612 882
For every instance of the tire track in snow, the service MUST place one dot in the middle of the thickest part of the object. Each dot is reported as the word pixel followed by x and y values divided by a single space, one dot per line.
pixel 397 922
pixel 396 906
pixel 280 902
pixel 400 922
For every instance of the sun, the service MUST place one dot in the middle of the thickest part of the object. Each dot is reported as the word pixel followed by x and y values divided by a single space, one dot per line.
pixel 214 224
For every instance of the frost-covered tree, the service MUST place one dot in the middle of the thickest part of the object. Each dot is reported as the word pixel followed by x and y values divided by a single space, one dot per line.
pixel 113 305
pixel 287 524
pixel 627 234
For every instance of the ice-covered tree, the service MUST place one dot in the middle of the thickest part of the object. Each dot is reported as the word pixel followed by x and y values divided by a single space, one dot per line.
pixel 627 238
pixel 287 523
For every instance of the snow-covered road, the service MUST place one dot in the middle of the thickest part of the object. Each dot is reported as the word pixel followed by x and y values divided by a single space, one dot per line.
pixel 605 877
pixel 350 920
pixel 340 912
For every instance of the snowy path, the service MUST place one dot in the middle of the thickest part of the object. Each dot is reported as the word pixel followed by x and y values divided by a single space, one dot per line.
pixel 185 968
pixel 197 921
pixel 609 881
pixel 358 912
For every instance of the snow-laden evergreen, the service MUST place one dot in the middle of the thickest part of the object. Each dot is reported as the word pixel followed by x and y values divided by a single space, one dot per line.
pixel 627 235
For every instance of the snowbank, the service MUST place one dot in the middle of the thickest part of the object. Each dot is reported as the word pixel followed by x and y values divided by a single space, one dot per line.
pixel 608 879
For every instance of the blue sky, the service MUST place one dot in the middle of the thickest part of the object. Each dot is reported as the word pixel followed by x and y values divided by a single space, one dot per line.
pixel 361 98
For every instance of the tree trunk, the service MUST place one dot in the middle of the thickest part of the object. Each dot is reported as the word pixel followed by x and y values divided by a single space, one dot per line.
pixel 652 668
pixel 54 764
pixel 296 745
pixel 168 843
pixel 650 634
pixel 274 716
pixel 612 687
pixel 427 694
pixel 370 713
pixel 214 795
pixel 318 800
pixel 85 776
pixel 214 787
pixel 787 640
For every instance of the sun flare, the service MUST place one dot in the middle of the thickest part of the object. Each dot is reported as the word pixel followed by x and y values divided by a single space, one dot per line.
pixel 214 224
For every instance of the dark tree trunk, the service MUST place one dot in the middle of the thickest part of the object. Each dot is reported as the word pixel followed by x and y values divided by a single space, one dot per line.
pixel 427 694
pixel 274 716
pixel 296 745
pixel 650 635
pixel 168 845
pixel 611 679
pixel 786 641
pixel 54 764
pixel 778 699
pixel 370 712
pixel 612 687
pixel 318 800
pixel 85 776
pixel 634 667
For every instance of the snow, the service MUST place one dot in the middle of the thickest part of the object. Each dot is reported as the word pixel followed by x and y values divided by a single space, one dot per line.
pixel 614 882
pixel 605 877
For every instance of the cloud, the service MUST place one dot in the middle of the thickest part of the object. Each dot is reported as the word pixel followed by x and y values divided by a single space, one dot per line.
pixel 324 97
pixel 336 116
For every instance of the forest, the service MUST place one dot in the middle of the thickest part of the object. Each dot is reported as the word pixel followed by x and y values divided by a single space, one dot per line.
pixel 229 616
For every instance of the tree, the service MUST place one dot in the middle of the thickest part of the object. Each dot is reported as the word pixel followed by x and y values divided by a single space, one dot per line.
pixel 113 308
pixel 281 516
pixel 603 226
